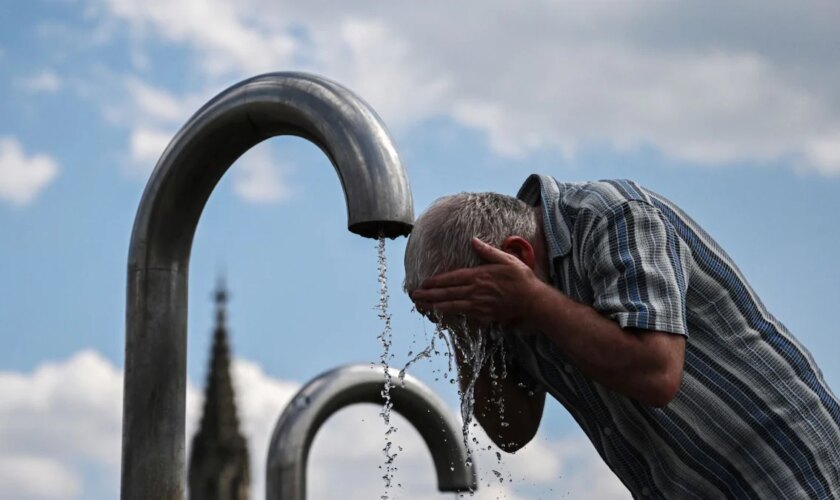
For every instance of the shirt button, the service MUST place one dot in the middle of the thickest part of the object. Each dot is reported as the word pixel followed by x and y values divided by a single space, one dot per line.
pixel 607 431
pixel 568 368
pixel 646 491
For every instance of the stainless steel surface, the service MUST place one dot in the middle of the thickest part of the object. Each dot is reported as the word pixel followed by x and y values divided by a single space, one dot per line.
pixel 378 200
pixel 351 384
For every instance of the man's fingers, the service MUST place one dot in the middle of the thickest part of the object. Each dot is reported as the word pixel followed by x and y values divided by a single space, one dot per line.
pixel 422 307
pixel 441 293
pixel 489 253
pixel 466 307
pixel 457 277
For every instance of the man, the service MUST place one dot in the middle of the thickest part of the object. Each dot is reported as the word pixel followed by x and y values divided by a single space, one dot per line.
pixel 624 310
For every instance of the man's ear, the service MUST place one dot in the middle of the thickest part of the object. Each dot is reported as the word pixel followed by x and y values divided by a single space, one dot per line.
pixel 520 248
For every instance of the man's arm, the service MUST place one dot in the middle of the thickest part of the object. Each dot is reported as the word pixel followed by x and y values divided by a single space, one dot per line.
pixel 644 365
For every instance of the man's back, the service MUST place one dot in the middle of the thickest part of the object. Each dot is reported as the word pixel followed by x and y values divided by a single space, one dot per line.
pixel 753 417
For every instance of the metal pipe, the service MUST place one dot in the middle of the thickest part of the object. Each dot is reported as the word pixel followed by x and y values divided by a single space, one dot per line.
pixel 378 202
pixel 330 392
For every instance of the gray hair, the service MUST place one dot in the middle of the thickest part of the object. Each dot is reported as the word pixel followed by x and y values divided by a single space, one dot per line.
pixel 440 240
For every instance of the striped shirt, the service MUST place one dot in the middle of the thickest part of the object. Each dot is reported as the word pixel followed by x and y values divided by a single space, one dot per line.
pixel 753 418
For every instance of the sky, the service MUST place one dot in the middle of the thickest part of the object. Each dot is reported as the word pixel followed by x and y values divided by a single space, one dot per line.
pixel 732 113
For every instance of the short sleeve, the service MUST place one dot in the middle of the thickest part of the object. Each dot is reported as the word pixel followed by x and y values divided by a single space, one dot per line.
pixel 638 267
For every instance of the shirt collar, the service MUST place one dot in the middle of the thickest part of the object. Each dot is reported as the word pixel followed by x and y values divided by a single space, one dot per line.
pixel 544 190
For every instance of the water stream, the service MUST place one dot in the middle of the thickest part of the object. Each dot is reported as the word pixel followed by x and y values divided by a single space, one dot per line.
pixel 386 340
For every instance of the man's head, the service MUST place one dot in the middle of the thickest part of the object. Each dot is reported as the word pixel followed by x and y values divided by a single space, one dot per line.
pixel 440 240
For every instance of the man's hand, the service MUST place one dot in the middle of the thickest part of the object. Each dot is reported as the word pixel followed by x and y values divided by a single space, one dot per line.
pixel 501 290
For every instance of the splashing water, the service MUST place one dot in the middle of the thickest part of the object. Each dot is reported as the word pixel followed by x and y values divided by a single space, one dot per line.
pixel 429 351
pixel 386 340
pixel 424 354
pixel 473 350
pixel 478 349
pixel 497 395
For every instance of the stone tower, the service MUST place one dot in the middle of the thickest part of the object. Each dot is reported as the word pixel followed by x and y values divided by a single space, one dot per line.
pixel 219 468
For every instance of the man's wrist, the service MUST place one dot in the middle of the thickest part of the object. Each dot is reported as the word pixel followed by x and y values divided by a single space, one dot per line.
pixel 540 301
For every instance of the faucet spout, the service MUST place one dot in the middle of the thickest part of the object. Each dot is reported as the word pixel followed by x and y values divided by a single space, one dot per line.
pixel 344 126
pixel 378 203
pixel 331 391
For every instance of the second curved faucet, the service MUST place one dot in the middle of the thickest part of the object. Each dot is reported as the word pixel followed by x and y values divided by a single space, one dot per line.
pixel 360 383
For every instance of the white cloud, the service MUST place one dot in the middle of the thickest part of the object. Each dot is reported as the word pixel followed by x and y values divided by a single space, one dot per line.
pixel 153 115
pixel 258 178
pixel 63 421
pixel 824 154
pixel 225 36
pixel 22 177
pixel 545 75
pixel 69 391
pixel 41 478
pixel 375 61
pixel 136 103
pixel 146 147
pixel 582 473
pixel 153 104
pixel 58 417
pixel 46 81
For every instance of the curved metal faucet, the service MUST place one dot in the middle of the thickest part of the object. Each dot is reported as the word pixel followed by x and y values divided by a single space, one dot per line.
pixel 378 202
pixel 333 390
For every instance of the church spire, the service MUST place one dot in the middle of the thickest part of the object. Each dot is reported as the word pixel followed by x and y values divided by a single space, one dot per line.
pixel 219 416
pixel 221 298
pixel 219 468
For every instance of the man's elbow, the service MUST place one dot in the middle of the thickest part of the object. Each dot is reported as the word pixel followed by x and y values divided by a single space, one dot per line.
pixel 662 383
pixel 664 388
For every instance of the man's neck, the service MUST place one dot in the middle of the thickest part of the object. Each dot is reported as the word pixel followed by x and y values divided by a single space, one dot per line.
pixel 542 268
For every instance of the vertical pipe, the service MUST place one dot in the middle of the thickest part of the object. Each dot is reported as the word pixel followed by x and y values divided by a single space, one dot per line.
pixel 378 200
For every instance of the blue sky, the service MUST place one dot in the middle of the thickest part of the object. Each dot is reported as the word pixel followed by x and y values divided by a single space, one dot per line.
pixel 732 115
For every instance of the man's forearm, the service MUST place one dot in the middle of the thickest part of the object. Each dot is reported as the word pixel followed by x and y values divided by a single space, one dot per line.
pixel 644 365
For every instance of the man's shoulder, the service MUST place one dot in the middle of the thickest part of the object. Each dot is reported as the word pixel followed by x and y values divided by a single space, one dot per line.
pixel 602 196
